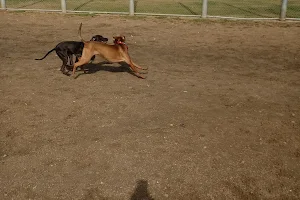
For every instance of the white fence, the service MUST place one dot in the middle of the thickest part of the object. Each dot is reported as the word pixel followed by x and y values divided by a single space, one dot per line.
pixel 237 9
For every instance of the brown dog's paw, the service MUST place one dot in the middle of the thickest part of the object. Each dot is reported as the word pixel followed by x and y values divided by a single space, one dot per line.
pixel 146 72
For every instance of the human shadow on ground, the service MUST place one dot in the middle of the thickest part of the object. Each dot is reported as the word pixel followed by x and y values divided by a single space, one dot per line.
pixel 141 191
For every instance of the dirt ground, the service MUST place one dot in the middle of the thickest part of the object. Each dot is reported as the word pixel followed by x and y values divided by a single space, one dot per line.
pixel 218 116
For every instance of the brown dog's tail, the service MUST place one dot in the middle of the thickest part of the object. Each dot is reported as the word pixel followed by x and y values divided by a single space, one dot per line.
pixel 79 33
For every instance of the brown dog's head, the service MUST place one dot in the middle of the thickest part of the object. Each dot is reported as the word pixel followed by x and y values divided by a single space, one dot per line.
pixel 119 39
pixel 99 38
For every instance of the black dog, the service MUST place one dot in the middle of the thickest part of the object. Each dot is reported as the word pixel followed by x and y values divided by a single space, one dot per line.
pixel 65 51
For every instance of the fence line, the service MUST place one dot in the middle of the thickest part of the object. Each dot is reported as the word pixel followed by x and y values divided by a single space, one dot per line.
pixel 64 6
pixel 204 9
pixel 131 7
pixel 282 9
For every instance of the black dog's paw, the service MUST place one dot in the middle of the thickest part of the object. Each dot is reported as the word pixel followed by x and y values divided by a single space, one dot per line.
pixel 66 73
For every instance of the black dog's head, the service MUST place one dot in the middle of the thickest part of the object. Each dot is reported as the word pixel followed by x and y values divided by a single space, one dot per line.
pixel 99 38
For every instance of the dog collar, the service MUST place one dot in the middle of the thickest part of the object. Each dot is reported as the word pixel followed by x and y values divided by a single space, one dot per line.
pixel 119 42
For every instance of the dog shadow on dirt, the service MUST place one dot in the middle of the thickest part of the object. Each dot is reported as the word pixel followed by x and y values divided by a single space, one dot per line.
pixel 104 66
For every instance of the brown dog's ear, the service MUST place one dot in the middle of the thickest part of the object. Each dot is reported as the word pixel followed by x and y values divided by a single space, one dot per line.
pixel 123 38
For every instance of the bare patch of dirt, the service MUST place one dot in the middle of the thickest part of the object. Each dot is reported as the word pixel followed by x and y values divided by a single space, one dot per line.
pixel 217 117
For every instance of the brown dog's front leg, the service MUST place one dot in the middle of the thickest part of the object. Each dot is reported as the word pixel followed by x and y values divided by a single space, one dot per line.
pixel 139 67
pixel 74 68
pixel 135 71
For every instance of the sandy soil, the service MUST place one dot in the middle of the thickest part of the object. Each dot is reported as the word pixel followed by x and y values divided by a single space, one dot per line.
pixel 218 116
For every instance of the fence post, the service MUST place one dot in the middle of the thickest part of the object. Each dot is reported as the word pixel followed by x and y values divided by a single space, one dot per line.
pixel 283 9
pixel 131 7
pixel 3 5
pixel 204 8
pixel 63 6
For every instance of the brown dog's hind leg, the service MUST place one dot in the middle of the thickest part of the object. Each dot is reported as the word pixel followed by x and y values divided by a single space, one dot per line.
pixel 82 61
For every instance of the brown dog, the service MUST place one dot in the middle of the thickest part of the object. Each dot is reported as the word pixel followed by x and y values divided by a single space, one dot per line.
pixel 113 53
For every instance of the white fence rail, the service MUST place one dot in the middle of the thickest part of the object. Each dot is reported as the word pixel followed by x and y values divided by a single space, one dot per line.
pixel 248 9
